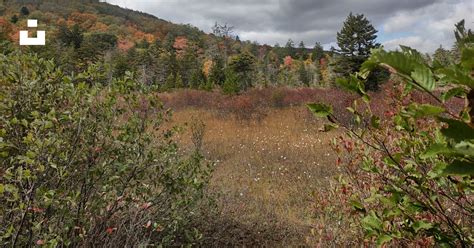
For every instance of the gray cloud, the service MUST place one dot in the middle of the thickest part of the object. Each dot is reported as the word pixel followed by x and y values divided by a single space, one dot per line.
pixel 423 24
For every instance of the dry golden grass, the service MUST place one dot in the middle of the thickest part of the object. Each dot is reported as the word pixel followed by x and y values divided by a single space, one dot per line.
pixel 265 175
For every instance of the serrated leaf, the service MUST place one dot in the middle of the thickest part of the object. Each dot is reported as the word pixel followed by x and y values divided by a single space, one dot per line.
pixel 412 53
pixel 423 76
pixel 459 91
pixel 456 75
pixel 320 110
pixel 459 167
pixel 457 130
pixel 402 63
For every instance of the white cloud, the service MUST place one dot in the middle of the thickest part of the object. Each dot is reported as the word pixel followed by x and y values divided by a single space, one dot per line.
pixel 429 27
pixel 423 24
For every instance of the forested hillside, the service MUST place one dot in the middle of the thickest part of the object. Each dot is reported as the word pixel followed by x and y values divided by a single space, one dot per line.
pixel 161 53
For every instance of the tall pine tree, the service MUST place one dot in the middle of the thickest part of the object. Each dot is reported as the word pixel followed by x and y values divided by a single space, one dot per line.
pixel 318 52
pixel 355 40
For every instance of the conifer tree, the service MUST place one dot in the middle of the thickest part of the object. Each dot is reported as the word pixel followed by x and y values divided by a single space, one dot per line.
pixel 355 40
pixel 170 82
pixel 443 57
pixel 318 52
pixel 217 74
pixel 24 11
pixel 179 81
pixel 290 48
pixel 14 19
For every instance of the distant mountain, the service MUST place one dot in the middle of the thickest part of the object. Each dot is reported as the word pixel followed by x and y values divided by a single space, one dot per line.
pixel 93 16
pixel 161 53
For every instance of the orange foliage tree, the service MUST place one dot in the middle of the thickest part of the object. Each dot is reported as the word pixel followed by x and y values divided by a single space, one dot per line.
pixel 85 20
pixel 207 66
pixel 288 62
pixel 180 44
pixel 5 29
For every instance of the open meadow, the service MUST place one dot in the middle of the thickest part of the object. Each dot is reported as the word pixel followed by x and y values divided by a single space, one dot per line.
pixel 271 160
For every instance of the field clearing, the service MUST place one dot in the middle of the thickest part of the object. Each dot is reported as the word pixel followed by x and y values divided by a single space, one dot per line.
pixel 265 174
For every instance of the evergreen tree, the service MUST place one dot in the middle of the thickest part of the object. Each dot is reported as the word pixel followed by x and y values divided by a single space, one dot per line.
pixel 14 19
pixel 355 40
pixel 198 79
pixel 302 51
pixel 290 48
pixel 217 74
pixel 231 85
pixel 443 57
pixel 179 81
pixel 24 11
pixel 462 36
pixel 318 52
pixel 120 65
pixel 303 74
pixel 244 66
pixel 357 37
pixel 170 82
pixel 72 36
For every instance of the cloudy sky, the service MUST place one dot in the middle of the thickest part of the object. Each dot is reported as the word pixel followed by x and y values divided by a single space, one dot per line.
pixel 422 24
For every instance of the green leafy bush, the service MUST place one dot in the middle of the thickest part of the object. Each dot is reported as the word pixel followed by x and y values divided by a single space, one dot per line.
pixel 410 173
pixel 88 165
pixel 231 84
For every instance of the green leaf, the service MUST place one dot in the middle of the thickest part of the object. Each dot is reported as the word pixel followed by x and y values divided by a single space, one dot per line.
pixel 403 63
pixel 357 206
pixel 457 130
pixel 459 167
pixel 437 170
pixel 413 54
pixel 383 239
pixel 436 149
pixel 371 222
pixel 423 110
pixel 456 75
pixel 465 148
pixel 375 122
pixel 351 84
pixel 459 91
pixel 424 77
pixel 421 225
pixel 320 110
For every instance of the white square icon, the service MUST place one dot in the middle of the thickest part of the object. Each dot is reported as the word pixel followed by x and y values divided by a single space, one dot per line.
pixel 32 23
pixel 40 39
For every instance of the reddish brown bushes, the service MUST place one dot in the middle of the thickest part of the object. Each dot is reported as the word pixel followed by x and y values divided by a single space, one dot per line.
pixel 252 105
